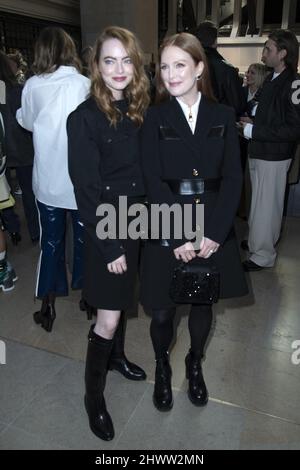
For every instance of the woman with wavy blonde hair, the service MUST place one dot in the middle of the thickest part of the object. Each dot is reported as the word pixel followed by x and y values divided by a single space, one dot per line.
pixel 104 165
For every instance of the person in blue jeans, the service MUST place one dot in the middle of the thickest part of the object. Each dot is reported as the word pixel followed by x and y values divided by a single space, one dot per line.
pixel 48 97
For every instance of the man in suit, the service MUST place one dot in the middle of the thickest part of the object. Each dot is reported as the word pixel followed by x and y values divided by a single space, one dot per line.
pixel 225 80
pixel 274 134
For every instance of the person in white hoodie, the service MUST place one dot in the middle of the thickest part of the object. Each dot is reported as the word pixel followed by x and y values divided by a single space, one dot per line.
pixel 56 89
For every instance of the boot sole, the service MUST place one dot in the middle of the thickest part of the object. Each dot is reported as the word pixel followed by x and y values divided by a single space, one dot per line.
pixel 96 431
pixel 7 289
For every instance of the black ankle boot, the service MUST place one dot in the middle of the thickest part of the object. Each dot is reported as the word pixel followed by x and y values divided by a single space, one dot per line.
pixel 98 353
pixel 46 316
pixel 85 307
pixel 162 396
pixel 197 391
pixel 118 361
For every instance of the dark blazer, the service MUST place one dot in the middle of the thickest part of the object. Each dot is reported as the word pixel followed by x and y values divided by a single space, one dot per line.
pixel 171 151
pixel 276 129
pixel 103 164
pixel 226 83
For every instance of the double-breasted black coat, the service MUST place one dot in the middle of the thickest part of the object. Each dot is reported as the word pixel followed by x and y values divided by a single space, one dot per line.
pixel 104 163
pixel 170 151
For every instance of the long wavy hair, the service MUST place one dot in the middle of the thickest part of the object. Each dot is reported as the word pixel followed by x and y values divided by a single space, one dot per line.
pixel 137 91
pixel 190 44
pixel 54 47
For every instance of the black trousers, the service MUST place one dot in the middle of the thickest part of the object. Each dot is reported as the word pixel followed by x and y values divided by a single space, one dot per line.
pixel 24 175
pixel 10 219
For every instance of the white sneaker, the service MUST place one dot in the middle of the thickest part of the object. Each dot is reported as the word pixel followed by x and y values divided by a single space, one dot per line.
pixel 18 191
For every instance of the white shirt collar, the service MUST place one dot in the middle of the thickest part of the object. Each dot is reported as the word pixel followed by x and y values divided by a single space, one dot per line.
pixel 191 111
pixel 275 75
pixel 251 95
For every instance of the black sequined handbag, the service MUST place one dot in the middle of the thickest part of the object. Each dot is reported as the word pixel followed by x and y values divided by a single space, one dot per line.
pixel 195 282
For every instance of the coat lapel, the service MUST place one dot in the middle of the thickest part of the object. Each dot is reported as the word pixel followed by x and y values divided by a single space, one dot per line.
pixel 205 119
pixel 176 118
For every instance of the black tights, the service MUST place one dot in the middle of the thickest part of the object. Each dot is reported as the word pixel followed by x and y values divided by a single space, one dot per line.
pixel 162 328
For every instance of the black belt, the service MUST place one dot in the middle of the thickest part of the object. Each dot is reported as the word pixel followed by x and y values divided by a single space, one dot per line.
pixel 188 187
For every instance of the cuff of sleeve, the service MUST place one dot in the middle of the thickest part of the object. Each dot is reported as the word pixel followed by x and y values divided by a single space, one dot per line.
pixel 248 131
pixel 114 254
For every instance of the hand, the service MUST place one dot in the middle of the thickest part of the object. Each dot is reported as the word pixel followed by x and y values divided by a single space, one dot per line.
pixel 185 252
pixel 207 248
pixel 246 120
pixel 240 128
pixel 118 266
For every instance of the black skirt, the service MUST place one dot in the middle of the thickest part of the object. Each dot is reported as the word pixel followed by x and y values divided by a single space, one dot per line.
pixel 104 290
pixel 158 263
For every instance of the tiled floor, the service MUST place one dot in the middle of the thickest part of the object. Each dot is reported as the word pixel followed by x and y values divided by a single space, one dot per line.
pixel 254 387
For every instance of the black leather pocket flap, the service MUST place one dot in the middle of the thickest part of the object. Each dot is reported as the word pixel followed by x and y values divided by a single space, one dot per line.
pixel 168 133
pixel 216 131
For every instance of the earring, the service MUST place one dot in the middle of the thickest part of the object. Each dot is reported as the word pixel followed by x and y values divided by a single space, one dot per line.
pixel 198 77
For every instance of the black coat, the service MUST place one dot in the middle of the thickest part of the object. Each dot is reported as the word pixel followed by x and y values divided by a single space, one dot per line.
pixel 104 164
pixel 171 151
pixel 18 141
pixel 276 129
pixel 226 83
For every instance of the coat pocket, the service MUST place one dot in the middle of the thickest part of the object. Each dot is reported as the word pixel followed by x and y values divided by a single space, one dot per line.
pixel 216 131
pixel 168 133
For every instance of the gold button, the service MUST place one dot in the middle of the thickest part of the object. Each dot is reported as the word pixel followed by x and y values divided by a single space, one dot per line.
pixel 195 172
pixel 197 200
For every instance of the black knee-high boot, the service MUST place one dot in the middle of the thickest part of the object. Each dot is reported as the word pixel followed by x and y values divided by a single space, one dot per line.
pixel 47 314
pixel 98 353
pixel 118 361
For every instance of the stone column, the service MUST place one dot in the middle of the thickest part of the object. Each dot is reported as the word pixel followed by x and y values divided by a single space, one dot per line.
pixel 140 17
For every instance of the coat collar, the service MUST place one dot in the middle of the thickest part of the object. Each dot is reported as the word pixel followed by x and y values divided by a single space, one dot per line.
pixel 286 75
pixel 173 113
